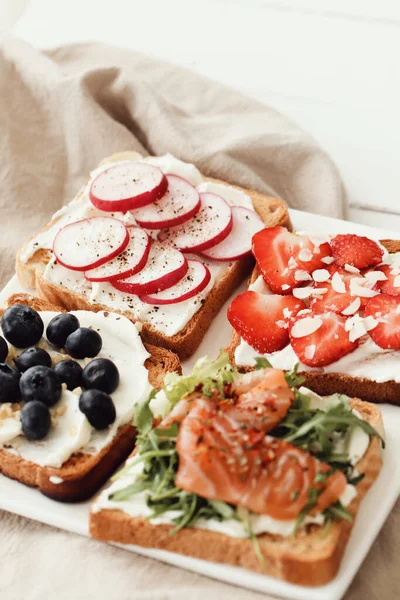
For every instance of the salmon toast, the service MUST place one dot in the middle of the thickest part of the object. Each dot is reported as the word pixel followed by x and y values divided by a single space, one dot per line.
pixel 245 469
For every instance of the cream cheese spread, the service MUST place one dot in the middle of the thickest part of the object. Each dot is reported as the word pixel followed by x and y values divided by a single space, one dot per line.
pixel 167 319
pixel 71 431
pixel 231 195
pixel 367 360
pixel 136 506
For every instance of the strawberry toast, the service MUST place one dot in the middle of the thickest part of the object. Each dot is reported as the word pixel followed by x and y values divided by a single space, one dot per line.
pixel 327 303
pixel 154 240
pixel 252 470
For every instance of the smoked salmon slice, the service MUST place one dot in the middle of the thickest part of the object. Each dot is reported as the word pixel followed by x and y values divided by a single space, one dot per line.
pixel 223 459
pixel 259 400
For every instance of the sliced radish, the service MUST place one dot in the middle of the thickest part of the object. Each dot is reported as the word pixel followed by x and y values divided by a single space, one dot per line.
pixel 130 261
pixel 126 186
pixel 89 243
pixel 196 279
pixel 238 243
pixel 180 202
pixel 207 228
pixel 164 268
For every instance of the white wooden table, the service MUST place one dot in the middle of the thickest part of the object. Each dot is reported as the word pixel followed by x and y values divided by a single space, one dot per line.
pixel 331 65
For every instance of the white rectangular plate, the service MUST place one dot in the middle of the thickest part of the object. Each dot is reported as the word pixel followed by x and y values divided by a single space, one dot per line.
pixel 375 508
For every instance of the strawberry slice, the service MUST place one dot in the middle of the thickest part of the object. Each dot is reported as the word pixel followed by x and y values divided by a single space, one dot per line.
pixel 391 285
pixel 355 250
pixel 386 310
pixel 319 340
pixel 263 320
pixel 280 254
pixel 340 295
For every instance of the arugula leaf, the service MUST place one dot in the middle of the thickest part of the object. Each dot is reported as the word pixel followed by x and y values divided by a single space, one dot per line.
pixel 134 488
pixel 322 432
pixel 142 416
pixel 338 511
pixel 332 420
pixel 312 502
pixel 225 510
pixel 210 374
pixel 293 379
pixel 321 477
pixel 245 518
pixel 261 362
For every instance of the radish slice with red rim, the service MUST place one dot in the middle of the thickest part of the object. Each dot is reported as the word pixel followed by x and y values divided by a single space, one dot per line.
pixel 89 243
pixel 164 268
pixel 180 202
pixel 126 186
pixel 210 226
pixel 196 279
pixel 130 261
pixel 246 223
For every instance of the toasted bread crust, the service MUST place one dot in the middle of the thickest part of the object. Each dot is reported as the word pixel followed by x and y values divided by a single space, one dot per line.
pixel 330 383
pixel 311 557
pixel 83 474
pixel 30 274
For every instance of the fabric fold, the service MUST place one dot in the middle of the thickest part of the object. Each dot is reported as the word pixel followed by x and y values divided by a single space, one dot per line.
pixel 64 110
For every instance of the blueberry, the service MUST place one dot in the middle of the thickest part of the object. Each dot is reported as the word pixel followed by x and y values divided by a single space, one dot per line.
pixel 3 350
pixel 35 420
pixel 22 326
pixel 60 327
pixel 69 372
pixel 42 384
pixel 83 343
pixel 101 374
pixel 32 357
pixel 9 384
pixel 98 408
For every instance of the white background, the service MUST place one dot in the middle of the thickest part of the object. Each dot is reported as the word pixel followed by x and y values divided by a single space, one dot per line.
pixel 331 65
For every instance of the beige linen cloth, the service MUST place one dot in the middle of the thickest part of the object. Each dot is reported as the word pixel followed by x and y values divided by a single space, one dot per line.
pixel 61 112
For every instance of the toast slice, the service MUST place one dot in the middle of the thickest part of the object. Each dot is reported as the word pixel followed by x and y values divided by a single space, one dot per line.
pixel 30 274
pixel 310 557
pixel 330 383
pixel 82 474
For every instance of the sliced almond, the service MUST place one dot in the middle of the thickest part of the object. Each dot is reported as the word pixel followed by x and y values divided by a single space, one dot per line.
pixel 358 288
pixel 320 275
pixel 338 284
pixel 305 326
pixel 351 268
pixel 328 260
pixel 305 292
pixel 373 276
pixel 356 328
pixel 353 307
pixel 370 322
pixel 305 255
pixel 301 275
